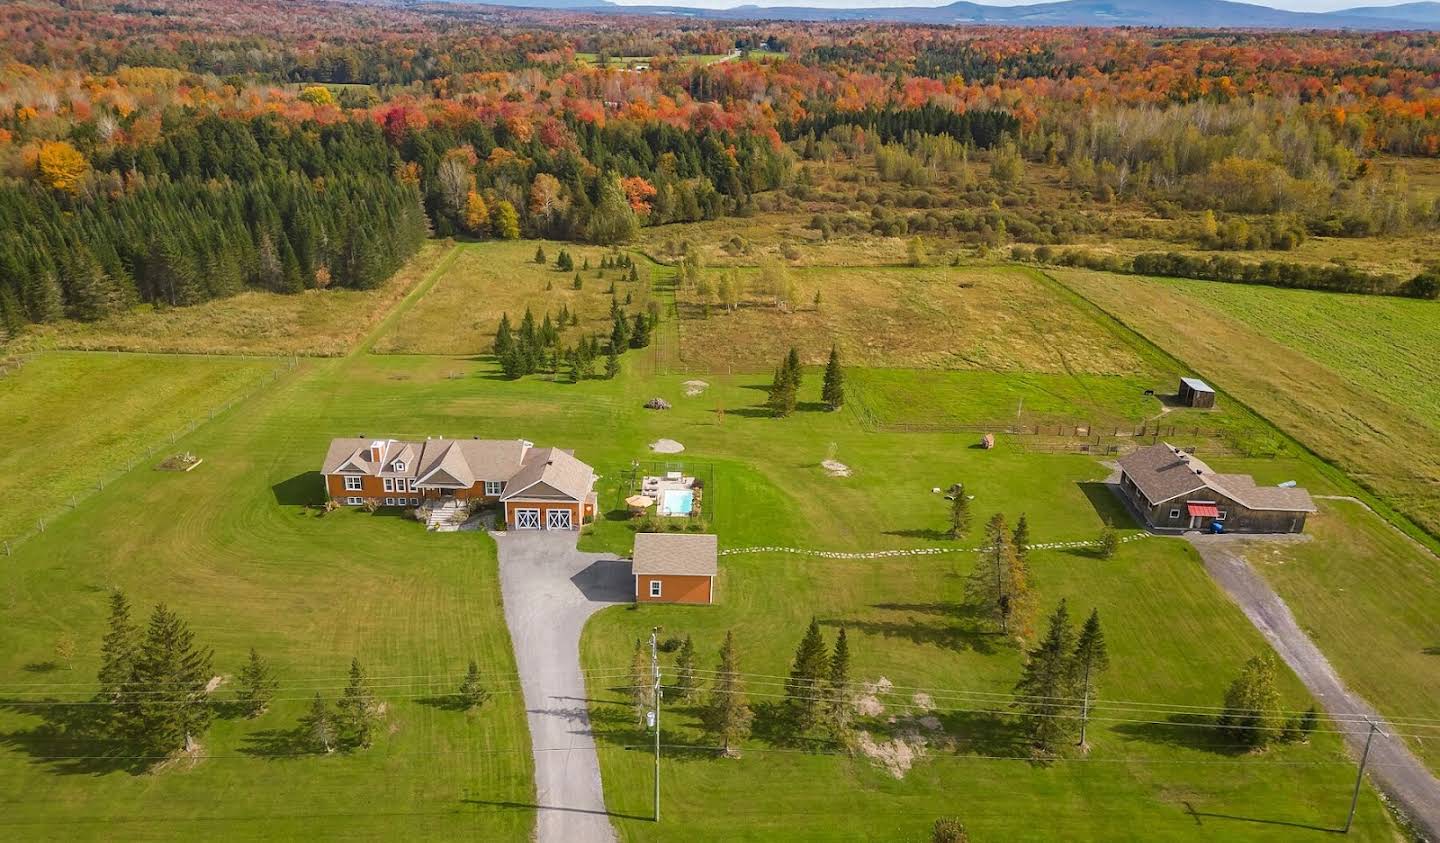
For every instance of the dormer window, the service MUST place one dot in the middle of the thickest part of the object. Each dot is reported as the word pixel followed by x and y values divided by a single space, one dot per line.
pixel 399 465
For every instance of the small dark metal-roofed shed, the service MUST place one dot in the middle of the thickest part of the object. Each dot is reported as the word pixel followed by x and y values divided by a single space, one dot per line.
pixel 1196 393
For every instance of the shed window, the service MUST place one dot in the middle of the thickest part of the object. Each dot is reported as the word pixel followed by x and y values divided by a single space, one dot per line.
pixel 1174 513
pixel 1220 516
pixel 352 484
pixel 654 588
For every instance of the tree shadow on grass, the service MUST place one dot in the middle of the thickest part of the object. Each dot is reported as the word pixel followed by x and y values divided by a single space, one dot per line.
pixel 1429 651
pixel 47 666
pixel 304 489
pixel 757 412
pixel 70 739
pixel 276 744
pixel 1107 504
pixel 925 534
pixel 990 733
pixel 950 625
pixel 1186 731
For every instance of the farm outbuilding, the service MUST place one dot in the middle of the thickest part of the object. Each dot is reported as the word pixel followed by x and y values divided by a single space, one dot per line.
pixel 1174 490
pixel 675 567
pixel 1196 393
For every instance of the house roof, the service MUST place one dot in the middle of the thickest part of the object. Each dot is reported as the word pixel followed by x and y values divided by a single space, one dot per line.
pixel 453 462
pixel 1162 473
pixel 554 468
pixel 352 455
pixel 683 554
pixel 1197 384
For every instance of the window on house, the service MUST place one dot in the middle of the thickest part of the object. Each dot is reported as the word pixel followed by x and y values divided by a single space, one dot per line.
pixel 492 487
pixel 1220 516
pixel 354 501
pixel 654 588
pixel 1174 513
pixel 352 484
pixel 389 501
pixel 414 501
pixel 411 484
pixel 399 465
pixel 389 484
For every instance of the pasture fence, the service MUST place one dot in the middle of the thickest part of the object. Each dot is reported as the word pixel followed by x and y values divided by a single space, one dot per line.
pixel 72 501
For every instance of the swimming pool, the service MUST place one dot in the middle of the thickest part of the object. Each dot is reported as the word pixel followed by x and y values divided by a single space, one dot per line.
pixel 677 502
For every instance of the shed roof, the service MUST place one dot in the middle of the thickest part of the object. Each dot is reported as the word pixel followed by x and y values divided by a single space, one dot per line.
pixel 1163 472
pixel 1197 384
pixel 683 554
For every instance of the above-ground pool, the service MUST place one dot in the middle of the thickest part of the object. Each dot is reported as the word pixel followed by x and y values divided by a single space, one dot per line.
pixel 677 502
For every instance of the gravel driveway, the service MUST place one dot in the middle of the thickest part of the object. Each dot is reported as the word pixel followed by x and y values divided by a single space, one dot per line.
pixel 550 589
pixel 1392 765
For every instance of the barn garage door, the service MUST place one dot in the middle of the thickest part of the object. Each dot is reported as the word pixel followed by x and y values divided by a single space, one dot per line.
pixel 558 519
pixel 527 519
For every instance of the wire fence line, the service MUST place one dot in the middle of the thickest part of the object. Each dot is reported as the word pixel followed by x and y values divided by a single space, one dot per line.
pixel 72 501
pixel 914 551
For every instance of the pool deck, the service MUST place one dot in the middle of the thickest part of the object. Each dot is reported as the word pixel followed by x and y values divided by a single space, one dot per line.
pixel 659 487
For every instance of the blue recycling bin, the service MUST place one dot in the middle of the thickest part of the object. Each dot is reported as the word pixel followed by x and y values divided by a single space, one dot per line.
pixel 1217 527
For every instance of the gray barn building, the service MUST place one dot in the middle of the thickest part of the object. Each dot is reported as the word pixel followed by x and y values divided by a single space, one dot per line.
pixel 1196 393
pixel 1174 490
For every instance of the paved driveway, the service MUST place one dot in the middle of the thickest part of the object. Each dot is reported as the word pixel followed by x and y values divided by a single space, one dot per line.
pixel 550 589
pixel 1392 765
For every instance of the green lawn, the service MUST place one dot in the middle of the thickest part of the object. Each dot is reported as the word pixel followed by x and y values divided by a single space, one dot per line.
pixel 234 547
pixel 72 420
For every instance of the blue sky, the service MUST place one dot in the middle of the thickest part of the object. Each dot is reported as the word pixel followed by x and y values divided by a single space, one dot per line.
pixel 1293 5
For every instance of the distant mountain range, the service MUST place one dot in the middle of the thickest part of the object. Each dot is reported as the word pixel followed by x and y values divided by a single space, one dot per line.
pixel 1209 14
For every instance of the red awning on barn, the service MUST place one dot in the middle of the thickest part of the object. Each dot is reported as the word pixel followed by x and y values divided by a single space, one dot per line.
pixel 1203 510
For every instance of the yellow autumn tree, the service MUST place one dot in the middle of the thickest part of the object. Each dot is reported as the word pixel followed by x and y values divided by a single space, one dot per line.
pixel 61 166
pixel 318 95
pixel 476 213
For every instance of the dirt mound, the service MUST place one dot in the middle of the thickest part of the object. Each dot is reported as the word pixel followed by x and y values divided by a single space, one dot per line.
pixel 666 446
pixel 835 468
pixel 694 388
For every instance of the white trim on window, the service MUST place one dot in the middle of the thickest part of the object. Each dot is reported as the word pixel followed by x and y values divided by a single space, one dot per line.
pixel 414 501
pixel 1174 513
pixel 493 488
pixel 399 465
pixel 411 484
pixel 1220 515
pixel 389 484
pixel 389 501
pixel 354 483
pixel 655 588
pixel 354 501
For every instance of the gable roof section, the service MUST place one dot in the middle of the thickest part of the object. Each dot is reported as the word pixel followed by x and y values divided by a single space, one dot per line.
pixel 680 554
pixel 350 455
pixel 1163 473
pixel 447 468
pixel 556 469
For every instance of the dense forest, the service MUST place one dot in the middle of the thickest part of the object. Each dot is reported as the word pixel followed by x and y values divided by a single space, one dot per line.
pixel 164 152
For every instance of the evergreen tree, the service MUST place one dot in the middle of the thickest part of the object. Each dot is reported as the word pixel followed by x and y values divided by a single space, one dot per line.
pixel 641 682
pixel 118 649
pixel 472 692
pixel 783 399
pixel 1109 542
pixel 640 334
pixel 257 685
pixel 164 723
pixel 1252 705
pixel 612 363
pixel 685 679
pixel 728 715
pixel 317 727
pixel 959 512
pixel 540 255
pixel 565 263
pixel 1000 584
pixel 792 368
pixel 837 688
pixel 504 341
pixel 1046 683
pixel 833 390
pixel 1021 539
pixel 578 283
pixel 357 712
pixel 613 220
pixel 635 274
pixel 619 328
pixel 807 680
pixel 1091 660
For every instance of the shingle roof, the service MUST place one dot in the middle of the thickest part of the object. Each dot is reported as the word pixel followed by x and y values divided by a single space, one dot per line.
pixel 1162 473
pixel 682 554
pixel 557 469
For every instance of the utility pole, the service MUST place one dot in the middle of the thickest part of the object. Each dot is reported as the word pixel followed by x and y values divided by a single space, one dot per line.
pixel 655 714
pixel 1360 776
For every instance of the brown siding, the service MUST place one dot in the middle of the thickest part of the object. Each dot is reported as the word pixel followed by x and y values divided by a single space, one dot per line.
pixel 545 507
pixel 674 588
pixel 1238 519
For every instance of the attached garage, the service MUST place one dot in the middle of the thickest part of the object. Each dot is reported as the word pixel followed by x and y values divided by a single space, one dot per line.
pixel 552 491
pixel 675 567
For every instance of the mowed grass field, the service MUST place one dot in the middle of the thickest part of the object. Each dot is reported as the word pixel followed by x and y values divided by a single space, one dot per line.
pixel 315 322
pixel 71 420
pixel 1350 376
pixel 460 313
pixel 984 318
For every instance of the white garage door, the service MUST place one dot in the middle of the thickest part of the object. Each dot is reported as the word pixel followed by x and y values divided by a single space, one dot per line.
pixel 558 519
pixel 527 519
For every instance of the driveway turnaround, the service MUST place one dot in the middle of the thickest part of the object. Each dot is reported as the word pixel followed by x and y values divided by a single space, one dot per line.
pixel 1392 765
pixel 550 589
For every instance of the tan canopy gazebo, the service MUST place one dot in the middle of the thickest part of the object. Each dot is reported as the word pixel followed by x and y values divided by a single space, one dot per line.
pixel 639 503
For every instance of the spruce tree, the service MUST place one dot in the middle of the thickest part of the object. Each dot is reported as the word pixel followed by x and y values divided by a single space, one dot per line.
pixel 1046 683
pixel 640 335
pixel 837 689
pixel 641 681
pixel 540 255
pixel 792 368
pixel 612 364
pixel 1021 539
pixel 685 679
pixel 728 715
pixel 357 711
pixel 257 685
pixel 1091 660
pixel 619 328
pixel 832 393
pixel 504 340
pixel 317 727
pixel 807 680
pixel 783 397
pixel 162 723
pixel 1109 542
pixel 959 512
pixel 1000 584
pixel 472 692
pixel 118 649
